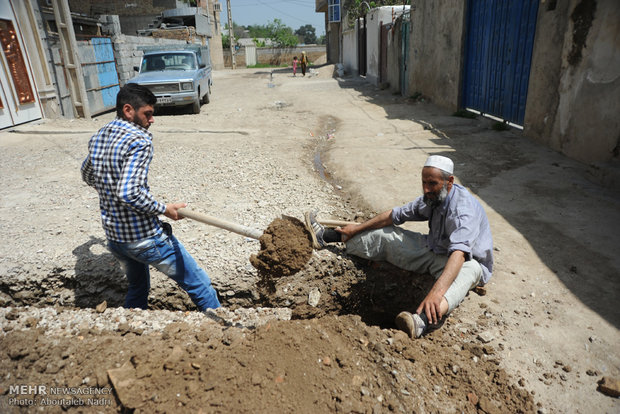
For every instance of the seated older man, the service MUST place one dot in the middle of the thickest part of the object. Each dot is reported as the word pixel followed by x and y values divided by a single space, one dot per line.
pixel 457 252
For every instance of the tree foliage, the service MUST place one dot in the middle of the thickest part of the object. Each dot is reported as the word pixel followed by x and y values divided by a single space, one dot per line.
pixel 306 34
pixel 238 30
pixel 281 34
pixel 225 41
pixel 278 32
pixel 258 31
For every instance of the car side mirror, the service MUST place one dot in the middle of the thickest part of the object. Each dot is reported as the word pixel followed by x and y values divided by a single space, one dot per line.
pixel 136 69
pixel 202 65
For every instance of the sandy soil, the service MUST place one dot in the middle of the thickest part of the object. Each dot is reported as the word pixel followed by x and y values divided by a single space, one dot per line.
pixel 542 337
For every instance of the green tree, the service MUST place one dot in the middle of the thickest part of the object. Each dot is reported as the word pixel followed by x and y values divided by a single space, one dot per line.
pixel 225 41
pixel 306 34
pixel 258 31
pixel 238 30
pixel 281 34
pixel 322 40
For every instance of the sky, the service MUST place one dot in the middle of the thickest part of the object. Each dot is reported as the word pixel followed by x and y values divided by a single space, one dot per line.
pixel 293 13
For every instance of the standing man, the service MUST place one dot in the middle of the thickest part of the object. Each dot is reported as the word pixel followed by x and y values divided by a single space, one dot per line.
pixel 457 252
pixel 117 166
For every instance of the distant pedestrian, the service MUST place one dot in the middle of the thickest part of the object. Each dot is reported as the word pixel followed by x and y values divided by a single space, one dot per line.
pixel 117 166
pixel 294 65
pixel 304 62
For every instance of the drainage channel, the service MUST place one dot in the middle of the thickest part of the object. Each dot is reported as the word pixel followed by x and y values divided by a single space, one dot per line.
pixel 324 139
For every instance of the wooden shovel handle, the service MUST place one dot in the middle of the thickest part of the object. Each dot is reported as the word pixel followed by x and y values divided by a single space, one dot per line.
pixel 222 224
pixel 335 223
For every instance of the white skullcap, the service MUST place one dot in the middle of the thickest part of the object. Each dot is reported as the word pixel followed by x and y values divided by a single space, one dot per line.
pixel 441 162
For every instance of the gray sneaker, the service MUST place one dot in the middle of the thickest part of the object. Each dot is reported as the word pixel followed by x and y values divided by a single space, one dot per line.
pixel 316 230
pixel 410 323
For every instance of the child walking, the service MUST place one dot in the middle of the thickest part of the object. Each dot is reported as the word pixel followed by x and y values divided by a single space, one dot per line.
pixel 294 65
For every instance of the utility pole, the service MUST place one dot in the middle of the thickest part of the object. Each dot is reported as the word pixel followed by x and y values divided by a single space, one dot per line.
pixel 231 34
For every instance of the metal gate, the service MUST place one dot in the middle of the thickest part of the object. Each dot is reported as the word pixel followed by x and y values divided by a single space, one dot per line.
pixel 100 75
pixel 361 46
pixel 250 55
pixel 383 45
pixel 498 57
pixel 404 53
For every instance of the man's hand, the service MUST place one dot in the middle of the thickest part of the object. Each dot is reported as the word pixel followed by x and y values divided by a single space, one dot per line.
pixel 431 305
pixel 435 304
pixel 377 222
pixel 347 231
pixel 172 210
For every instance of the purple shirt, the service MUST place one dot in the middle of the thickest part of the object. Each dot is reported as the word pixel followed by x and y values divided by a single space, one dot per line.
pixel 459 223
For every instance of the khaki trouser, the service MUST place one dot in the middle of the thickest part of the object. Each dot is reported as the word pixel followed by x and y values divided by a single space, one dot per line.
pixel 408 250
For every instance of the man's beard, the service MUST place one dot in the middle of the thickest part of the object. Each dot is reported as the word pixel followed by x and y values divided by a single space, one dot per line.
pixel 138 121
pixel 439 197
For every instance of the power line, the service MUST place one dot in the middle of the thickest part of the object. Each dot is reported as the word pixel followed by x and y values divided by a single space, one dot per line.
pixel 281 12
pixel 300 3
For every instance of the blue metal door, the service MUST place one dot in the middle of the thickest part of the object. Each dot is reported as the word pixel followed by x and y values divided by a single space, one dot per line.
pixel 500 38
pixel 100 75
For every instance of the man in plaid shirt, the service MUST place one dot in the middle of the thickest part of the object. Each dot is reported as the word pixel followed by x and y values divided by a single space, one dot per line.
pixel 117 166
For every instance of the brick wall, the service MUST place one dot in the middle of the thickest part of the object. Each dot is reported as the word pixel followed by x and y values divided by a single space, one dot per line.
pixel 127 54
pixel 276 56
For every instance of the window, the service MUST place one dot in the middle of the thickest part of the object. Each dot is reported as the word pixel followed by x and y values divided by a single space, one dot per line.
pixel 333 11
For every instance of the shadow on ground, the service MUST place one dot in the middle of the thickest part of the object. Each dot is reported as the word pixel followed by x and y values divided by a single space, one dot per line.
pixel 499 166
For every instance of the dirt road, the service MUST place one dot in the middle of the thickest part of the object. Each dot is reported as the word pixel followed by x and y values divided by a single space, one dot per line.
pixel 540 340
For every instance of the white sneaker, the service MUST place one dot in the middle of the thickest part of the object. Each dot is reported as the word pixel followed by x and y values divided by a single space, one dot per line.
pixel 412 324
pixel 316 230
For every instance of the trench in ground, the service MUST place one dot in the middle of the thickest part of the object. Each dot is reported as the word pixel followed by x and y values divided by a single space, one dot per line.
pixel 346 285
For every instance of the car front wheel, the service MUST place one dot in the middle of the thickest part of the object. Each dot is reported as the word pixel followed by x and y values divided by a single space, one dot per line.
pixel 207 98
pixel 196 105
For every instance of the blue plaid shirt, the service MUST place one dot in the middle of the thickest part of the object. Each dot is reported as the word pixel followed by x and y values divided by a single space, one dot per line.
pixel 117 166
pixel 459 223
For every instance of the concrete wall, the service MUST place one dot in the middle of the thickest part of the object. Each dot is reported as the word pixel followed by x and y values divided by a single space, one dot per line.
pixel 127 54
pixel 573 102
pixel 375 17
pixel 215 42
pixel 333 42
pixel 436 51
pixel 373 33
pixel 126 48
pixel 349 51
pixel 394 55
pixel 276 56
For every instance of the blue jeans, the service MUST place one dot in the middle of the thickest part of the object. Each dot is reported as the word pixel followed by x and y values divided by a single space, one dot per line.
pixel 166 254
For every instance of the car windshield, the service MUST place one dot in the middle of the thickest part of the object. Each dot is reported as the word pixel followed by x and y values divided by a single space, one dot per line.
pixel 168 61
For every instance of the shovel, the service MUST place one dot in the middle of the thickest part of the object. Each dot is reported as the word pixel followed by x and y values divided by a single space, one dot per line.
pixel 244 230
pixel 222 224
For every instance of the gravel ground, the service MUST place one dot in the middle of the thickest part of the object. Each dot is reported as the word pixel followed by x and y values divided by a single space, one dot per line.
pixel 256 152
pixel 62 258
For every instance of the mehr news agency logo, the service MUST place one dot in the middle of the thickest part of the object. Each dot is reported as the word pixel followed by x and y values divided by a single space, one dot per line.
pixel 44 395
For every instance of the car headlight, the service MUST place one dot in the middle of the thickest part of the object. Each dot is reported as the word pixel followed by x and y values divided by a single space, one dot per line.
pixel 187 86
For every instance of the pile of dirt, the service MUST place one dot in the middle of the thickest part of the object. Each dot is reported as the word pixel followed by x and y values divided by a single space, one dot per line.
pixel 329 364
pixel 286 247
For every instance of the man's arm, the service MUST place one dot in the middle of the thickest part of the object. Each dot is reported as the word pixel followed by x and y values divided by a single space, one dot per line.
pixel 379 221
pixel 434 304
pixel 87 172
pixel 131 188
